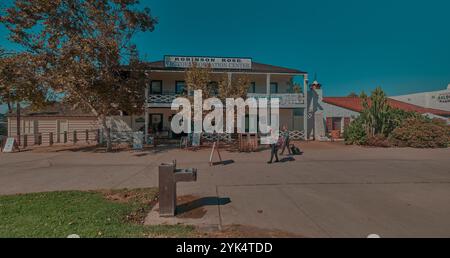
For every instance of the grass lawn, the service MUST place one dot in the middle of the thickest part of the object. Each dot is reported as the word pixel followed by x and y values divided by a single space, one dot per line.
pixel 118 213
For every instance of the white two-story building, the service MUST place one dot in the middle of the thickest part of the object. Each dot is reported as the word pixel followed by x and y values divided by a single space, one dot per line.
pixel 167 82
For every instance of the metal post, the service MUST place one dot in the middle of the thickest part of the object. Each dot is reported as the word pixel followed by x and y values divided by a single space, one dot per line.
pixel 50 137
pixel 98 136
pixel 167 190
pixel 65 136
pixel 75 137
pixel 146 113
pixel 18 123
pixel 25 141
pixel 268 95
pixel 87 135
pixel 306 109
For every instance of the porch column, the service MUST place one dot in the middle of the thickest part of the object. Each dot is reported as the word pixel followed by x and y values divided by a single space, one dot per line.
pixel 146 113
pixel 230 75
pixel 269 115
pixel 306 103
pixel 268 85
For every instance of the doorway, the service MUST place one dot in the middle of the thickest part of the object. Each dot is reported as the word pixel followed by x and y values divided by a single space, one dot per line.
pixel 61 127
pixel 156 123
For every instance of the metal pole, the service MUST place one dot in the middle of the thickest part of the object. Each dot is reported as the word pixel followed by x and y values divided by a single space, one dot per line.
pixel 18 123
pixel 306 110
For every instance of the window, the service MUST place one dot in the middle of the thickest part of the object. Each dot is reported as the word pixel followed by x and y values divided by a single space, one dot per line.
pixel 156 87
pixel 180 87
pixel 298 112
pixel 337 123
pixel 273 87
pixel 27 127
pixel 252 88
pixel 214 87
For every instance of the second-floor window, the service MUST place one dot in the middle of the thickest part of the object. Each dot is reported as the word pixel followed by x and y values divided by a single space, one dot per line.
pixel 156 87
pixel 180 87
pixel 214 87
pixel 252 88
pixel 273 87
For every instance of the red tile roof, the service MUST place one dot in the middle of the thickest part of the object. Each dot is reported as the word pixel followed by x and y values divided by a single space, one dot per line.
pixel 355 104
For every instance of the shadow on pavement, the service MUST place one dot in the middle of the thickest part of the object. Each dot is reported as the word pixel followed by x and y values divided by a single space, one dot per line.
pixel 188 209
pixel 224 163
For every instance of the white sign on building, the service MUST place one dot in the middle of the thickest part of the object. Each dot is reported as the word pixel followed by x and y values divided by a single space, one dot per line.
pixel 432 99
pixel 213 62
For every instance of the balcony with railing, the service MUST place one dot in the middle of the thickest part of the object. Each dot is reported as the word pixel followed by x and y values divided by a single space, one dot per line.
pixel 161 100
pixel 287 100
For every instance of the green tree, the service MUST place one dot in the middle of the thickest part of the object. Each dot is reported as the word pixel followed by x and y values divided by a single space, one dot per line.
pixel 377 119
pixel 19 81
pixel 375 112
pixel 80 47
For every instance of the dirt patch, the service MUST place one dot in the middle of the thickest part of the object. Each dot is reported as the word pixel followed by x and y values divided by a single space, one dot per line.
pixel 241 231
pixel 142 200
pixel 127 196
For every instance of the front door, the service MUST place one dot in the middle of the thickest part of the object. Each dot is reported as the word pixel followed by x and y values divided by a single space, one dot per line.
pixel 156 123
pixel 61 127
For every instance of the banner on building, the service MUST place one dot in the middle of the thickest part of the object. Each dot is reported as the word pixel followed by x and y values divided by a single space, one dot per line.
pixel 212 62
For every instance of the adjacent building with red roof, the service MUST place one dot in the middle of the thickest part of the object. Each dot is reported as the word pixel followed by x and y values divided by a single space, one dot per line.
pixel 355 104
pixel 340 111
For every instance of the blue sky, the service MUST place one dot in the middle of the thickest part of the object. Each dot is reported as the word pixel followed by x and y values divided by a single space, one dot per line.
pixel 403 46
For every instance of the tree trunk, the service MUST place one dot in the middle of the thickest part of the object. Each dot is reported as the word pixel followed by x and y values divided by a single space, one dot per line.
pixel 107 133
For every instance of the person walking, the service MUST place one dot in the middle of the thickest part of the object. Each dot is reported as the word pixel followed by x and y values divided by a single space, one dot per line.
pixel 273 148
pixel 286 140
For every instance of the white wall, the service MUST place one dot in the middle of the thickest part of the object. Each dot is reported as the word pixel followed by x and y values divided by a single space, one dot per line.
pixel 335 111
pixel 432 99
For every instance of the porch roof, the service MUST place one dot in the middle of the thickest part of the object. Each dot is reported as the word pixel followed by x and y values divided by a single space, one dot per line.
pixel 56 109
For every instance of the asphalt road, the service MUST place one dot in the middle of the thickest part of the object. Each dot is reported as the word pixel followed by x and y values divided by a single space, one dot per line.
pixel 330 191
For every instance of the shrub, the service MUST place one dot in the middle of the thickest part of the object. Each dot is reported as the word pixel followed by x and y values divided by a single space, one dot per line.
pixel 355 132
pixel 421 133
pixel 378 140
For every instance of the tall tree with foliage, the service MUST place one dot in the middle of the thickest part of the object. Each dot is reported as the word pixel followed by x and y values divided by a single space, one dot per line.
pixel 236 87
pixel 81 46
pixel 375 112
pixel 19 81
pixel 199 78
pixel 377 119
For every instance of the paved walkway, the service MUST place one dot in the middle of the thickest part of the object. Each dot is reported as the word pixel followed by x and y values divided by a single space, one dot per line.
pixel 330 191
